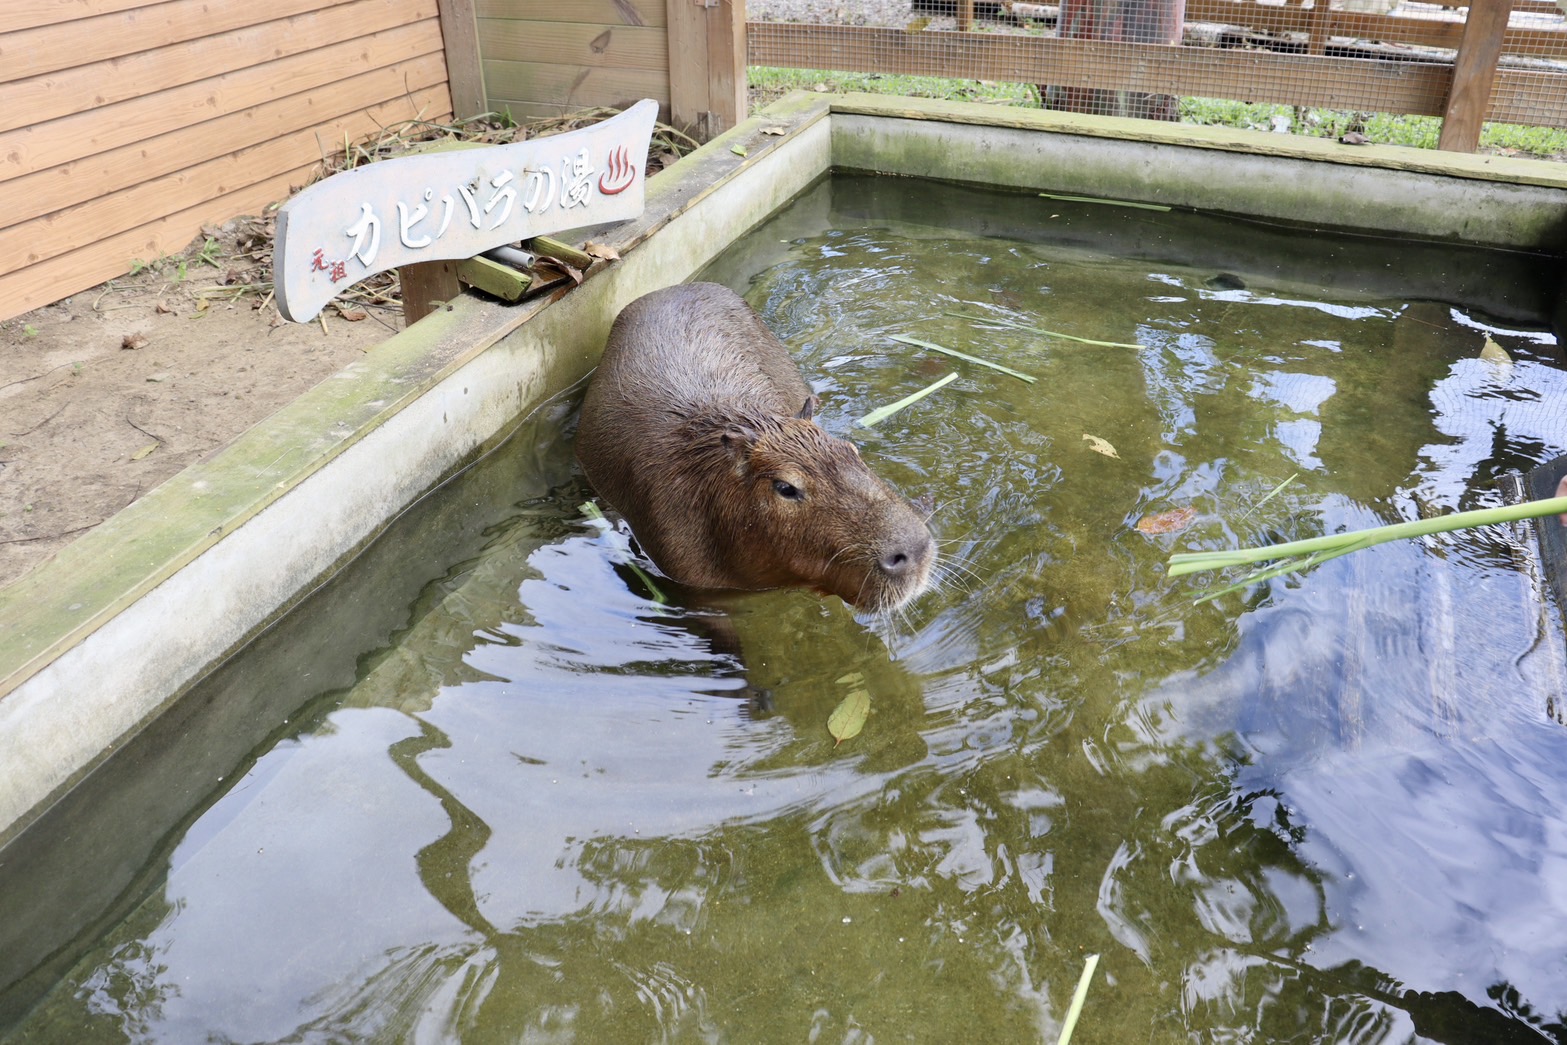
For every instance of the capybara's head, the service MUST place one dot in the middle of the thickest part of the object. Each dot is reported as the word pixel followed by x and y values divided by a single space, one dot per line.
pixel 792 505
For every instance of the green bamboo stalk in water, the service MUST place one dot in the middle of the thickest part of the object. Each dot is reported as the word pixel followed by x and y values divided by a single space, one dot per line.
pixel 1075 1009
pixel 881 414
pixel 1298 555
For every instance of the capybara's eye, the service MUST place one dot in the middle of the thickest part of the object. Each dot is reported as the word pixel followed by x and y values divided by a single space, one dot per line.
pixel 783 489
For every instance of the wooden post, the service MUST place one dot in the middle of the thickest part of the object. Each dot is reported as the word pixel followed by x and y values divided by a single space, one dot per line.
pixel 1474 72
pixel 1129 21
pixel 425 286
pixel 706 65
pixel 965 15
pixel 464 74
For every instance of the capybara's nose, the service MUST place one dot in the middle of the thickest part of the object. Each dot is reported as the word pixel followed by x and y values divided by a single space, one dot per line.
pixel 901 561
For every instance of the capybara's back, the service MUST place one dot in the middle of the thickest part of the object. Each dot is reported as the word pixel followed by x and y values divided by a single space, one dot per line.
pixel 698 428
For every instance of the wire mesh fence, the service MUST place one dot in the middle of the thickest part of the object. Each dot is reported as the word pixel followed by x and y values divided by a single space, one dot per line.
pixel 1378 70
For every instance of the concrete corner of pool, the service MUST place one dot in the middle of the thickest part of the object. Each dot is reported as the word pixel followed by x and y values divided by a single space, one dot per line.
pixel 97 643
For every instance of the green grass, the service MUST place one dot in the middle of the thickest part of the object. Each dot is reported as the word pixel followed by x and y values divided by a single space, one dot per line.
pixel 1419 132
pixel 768 83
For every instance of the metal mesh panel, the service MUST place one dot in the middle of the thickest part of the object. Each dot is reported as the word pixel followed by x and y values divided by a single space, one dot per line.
pixel 1380 70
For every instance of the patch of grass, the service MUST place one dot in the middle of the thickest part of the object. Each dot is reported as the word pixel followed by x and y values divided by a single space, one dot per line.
pixel 770 83
pixel 1419 132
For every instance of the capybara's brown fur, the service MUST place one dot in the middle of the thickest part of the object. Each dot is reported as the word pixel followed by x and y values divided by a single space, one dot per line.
pixel 698 428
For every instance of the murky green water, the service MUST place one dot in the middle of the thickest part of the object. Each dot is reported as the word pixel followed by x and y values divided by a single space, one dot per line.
pixel 1329 808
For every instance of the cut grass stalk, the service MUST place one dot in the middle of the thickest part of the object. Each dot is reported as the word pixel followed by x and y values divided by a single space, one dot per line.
pixel 594 515
pixel 1079 996
pixel 1109 203
pixel 881 414
pixel 1270 494
pixel 917 343
pixel 1299 555
pixel 1000 321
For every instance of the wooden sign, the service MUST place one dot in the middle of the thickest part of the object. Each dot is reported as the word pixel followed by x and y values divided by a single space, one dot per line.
pixel 453 205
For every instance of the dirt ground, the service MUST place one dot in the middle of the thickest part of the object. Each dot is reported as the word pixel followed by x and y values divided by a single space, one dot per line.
pixel 108 393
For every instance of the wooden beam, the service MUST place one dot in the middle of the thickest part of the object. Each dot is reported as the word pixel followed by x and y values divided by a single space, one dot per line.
pixel 356 107
pixel 426 286
pixel 707 57
pixel 1474 72
pixel 527 89
pixel 604 12
pixel 286 53
pixel 464 75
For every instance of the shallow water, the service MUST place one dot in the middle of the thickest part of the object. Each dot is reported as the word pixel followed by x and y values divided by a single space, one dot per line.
pixel 1331 807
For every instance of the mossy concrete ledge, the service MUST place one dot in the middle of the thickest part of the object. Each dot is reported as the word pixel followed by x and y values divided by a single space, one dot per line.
pixel 101 639
pixel 95 644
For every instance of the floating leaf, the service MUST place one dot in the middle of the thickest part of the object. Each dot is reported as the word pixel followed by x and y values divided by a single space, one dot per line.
pixel 917 343
pixel 1173 521
pixel 144 451
pixel 1101 446
pixel 1494 353
pixel 849 716
pixel 881 414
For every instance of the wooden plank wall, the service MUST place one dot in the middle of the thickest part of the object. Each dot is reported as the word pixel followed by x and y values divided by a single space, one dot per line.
pixel 550 57
pixel 126 125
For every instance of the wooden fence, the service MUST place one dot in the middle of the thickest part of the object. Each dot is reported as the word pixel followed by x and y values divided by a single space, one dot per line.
pixel 1441 63
pixel 125 125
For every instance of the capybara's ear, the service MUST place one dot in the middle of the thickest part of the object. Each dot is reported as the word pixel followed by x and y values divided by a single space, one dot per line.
pixel 738 441
pixel 808 411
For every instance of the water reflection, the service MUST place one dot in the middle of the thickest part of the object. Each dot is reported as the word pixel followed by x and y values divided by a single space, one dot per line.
pixel 1324 809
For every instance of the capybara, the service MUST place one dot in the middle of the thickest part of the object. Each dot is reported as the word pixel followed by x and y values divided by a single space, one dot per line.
pixel 697 427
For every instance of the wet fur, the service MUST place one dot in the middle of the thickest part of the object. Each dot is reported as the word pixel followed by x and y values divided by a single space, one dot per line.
pixel 695 422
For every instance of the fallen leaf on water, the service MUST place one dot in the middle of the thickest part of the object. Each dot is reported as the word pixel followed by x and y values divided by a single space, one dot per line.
pixel 1494 353
pixel 144 451
pixel 1172 521
pixel 131 342
pixel 1101 446
pixel 849 716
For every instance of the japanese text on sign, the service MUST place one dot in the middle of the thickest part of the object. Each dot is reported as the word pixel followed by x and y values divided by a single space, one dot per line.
pixel 456 204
